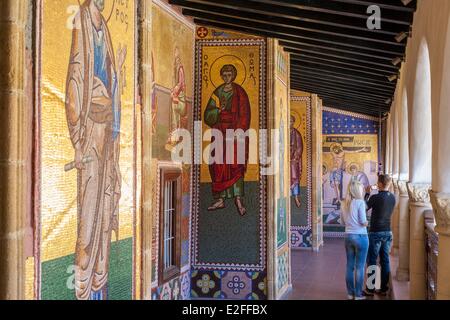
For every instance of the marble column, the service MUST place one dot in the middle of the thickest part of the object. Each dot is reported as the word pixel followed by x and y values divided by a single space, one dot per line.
pixel 15 148
pixel 387 161
pixel 395 217
pixel 419 200
pixel 441 206
pixel 402 211
pixel 396 220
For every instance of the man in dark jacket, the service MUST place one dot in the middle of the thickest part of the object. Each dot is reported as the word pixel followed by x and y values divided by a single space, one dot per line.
pixel 380 232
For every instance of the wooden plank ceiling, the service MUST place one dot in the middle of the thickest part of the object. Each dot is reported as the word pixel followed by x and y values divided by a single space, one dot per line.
pixel 333 53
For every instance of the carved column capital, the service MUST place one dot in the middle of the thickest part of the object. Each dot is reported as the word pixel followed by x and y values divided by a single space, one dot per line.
pixel 419 194
pixel 441 207
pixel 395 186
pixel 402 188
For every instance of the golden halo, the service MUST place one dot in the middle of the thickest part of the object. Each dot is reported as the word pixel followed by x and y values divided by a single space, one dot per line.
pixel 353 164
pixel 298 119
pixel 109 9
pixel 228 59
pixel 336 148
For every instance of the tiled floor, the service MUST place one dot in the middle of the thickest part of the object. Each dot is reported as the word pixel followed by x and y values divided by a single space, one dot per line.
pixel 319 276
pixel 401 289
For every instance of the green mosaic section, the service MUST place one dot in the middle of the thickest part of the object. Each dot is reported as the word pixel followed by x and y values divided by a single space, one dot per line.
pixel 57 275
pixel 299 216
pixel 226 237
pixel 282 227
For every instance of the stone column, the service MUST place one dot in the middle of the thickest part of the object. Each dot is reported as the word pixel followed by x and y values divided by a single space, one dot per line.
pixel 395 218
pixel 419 200
pixel 441 206
pixel 146 86
pixel 387 161
pixel 15 148
pixel 403 231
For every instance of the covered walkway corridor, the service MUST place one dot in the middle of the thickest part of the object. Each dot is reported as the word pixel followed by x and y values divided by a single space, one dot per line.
pixel 202 149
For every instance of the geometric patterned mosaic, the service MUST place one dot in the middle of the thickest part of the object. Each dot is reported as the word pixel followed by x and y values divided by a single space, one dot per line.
pixel 229 285
pixel 283 270
pixel 301 233
pixel 301 238
pixel 176 289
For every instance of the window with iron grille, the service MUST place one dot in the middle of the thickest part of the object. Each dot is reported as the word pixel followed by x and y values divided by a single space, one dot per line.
pixel 170 215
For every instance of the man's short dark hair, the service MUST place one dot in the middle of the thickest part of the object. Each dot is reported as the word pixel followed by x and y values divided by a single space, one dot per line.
pixel 385 180
pixel 229 68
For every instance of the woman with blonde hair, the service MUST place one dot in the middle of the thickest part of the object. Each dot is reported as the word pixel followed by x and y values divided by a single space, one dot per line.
pixel 356 238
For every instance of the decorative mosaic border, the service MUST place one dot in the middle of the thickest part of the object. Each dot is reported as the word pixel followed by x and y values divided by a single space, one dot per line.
pixel 334 234
pixel 229 285
pixel 261 43
pixel 351 114
pixel 308 101
pixel 282 272
pixel 176 289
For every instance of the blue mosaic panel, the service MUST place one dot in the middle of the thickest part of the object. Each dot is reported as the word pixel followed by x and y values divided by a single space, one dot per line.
pixel 341 123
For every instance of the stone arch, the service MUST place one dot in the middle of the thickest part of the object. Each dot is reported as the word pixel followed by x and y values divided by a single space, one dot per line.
pixel 420 151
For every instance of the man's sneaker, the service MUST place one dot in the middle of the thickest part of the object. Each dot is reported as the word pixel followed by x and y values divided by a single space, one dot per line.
pixel 360 298
pixel 368 293
pixel 383 293
pixel 350 297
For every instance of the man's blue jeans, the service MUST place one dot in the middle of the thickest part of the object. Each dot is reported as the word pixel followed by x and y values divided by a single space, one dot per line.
pixel 380 246
pixel 356 246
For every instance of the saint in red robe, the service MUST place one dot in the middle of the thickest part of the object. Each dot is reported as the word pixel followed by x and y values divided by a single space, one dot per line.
pixel 225 111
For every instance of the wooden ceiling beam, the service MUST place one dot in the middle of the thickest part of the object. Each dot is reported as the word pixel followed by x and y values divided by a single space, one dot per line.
pixel 333 103
pixel 294 24
pixel 323 72
pixel 389 14
pixel 385 4
pixel 352 65
pixel 296 14
pixel 382 78
pixel 340 93
pixel 281 32
pixel 385 64
pixel 337 85
pixel 370 56
pixel 341 85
